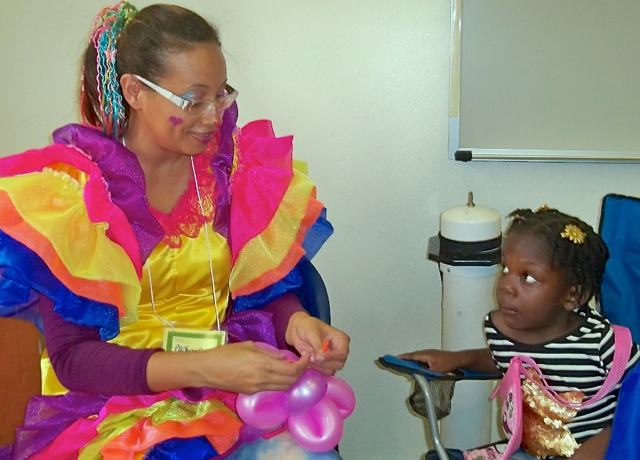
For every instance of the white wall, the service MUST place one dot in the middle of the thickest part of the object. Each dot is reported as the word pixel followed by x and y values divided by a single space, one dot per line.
pixel 363 85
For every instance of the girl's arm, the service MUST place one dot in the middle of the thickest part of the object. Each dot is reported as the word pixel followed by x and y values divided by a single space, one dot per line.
pixel 478 360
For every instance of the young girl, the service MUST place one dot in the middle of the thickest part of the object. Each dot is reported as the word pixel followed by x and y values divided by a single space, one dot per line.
pixel 552 267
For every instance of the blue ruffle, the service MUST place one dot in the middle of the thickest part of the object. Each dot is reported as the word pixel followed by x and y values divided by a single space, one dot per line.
pixel 177 449
pixel 24 273
pixel 256 301
pixel 319 232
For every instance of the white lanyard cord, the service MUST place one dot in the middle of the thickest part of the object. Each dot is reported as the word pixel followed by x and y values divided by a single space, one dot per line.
pixel 206 232
pixel 153 304
pixel 213 282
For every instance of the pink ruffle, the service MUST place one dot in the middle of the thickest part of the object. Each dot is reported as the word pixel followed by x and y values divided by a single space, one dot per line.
pixel 186 217
pixel 261 179
pixel 99 206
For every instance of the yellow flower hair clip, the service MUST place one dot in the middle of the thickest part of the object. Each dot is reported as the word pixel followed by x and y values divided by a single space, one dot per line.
pixel 542 208
pixel 574 233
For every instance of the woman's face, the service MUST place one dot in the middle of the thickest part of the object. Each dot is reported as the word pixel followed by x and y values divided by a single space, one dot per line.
pixel 160 125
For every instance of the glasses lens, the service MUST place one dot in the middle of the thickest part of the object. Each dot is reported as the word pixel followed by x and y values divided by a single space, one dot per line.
pixel 198 107
pixel 223 102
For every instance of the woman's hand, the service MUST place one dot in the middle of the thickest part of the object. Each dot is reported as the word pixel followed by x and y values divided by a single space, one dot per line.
pixel 326 346
pixel 436 360
pixel 239 367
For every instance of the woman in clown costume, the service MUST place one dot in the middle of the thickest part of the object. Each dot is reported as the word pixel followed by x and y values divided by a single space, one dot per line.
pixel 155 221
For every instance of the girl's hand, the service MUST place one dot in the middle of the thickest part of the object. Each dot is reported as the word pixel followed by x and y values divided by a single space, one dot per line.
pixel 326 346
pixel 478 359
pixel 436 360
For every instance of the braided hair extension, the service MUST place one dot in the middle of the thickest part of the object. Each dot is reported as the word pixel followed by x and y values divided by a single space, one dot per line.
pixel 582 263
pixel 107 27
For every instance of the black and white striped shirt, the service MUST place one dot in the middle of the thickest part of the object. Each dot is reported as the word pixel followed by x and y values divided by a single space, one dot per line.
pixel 579 361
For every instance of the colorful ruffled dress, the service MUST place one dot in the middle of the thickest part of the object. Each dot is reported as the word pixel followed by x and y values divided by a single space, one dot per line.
pixel 75 226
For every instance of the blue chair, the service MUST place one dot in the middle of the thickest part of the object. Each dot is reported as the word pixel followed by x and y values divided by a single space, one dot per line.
pixel 620 229
pixel 620 302
pixel 313 292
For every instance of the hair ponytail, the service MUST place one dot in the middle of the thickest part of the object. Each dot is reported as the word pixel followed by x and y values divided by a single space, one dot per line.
pixel 101 97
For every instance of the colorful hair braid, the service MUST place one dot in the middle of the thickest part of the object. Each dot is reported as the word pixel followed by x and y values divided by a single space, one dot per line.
pixel 107 27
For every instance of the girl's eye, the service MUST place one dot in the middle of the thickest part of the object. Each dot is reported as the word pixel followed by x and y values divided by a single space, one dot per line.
pixel 529 279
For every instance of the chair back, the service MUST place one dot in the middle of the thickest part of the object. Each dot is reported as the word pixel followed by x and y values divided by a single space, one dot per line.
pixel 620 292
pixel 21 345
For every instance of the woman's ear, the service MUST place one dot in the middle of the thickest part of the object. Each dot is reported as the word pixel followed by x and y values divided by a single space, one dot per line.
pixel 576 297
pixel 131 90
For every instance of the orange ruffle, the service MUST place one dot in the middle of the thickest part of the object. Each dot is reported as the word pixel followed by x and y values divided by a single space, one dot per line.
pixel 220 428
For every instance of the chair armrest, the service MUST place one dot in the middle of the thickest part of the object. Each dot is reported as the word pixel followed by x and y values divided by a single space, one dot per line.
pixel 409 367
pixel 422 376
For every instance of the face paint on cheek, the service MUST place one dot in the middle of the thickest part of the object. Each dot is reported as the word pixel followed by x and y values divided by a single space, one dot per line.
pixel 175 121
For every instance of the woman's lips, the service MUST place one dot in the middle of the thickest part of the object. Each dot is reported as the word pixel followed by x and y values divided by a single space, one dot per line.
pixel 204 138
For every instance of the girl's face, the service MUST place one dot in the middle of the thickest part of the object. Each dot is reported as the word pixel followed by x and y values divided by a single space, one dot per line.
pixel 199 73
pixel 533 297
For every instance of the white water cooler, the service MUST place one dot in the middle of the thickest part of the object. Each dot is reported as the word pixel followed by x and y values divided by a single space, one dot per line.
pixel 467 250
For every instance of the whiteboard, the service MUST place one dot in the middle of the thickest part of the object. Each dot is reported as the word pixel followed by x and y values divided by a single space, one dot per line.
pixel 545 80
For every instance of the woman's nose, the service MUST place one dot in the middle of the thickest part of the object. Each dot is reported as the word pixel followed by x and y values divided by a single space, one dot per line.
pixel 212 117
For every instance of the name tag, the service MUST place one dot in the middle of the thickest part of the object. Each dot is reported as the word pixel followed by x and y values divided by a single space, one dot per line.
pixel 184 339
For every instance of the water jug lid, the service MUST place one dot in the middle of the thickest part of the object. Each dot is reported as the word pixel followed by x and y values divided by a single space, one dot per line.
pixel 470 222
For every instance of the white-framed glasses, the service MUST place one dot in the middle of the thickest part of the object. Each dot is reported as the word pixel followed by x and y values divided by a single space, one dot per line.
pixel 196 107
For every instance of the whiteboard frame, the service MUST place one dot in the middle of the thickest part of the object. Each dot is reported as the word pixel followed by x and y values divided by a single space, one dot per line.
pixel 468 153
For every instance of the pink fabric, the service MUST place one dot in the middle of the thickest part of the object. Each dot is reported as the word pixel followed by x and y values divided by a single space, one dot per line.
pixel 70 441
pixel 260 181
pixel 186 216
pixel 99 206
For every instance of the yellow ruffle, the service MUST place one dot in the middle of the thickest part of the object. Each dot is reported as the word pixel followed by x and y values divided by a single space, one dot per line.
pixel 52 204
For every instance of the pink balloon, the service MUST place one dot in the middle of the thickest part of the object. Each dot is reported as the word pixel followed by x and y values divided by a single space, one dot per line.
pixel 262 410
pixel 319 429
pixel 313 409
pixel 291 356
pixel 306 392
pixel 266 346
pixel 342 395
pixel 249 433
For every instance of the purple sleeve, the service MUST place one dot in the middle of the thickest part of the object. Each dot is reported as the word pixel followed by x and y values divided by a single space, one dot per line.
pixel 282 309
pixel 83 362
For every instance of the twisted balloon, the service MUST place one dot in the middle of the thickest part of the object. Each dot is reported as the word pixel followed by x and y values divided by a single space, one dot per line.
pixel 313 410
